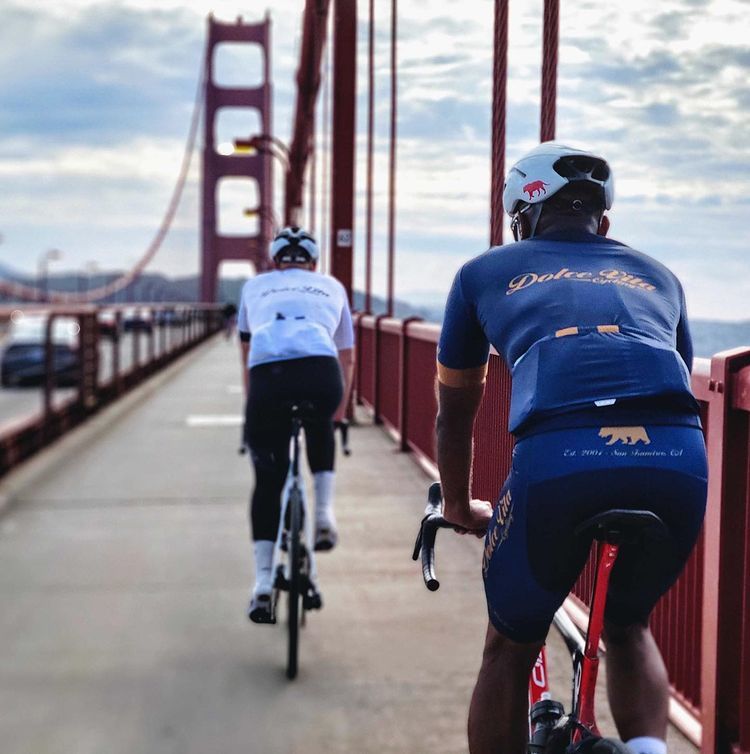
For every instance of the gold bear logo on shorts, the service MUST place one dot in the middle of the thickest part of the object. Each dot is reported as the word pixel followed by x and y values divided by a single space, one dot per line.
pixel 625 435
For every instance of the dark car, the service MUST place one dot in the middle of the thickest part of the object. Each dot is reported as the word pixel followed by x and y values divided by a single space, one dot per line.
pixel 137 320
pixel 23 359
pixel 169 318
pixel 107 321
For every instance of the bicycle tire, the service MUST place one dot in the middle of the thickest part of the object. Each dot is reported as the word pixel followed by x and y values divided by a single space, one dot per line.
pixel 295 581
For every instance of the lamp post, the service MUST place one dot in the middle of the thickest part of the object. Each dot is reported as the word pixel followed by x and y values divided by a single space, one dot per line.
pixel 43 270
pixel 91 268
pixel 273 146
pixel 265 213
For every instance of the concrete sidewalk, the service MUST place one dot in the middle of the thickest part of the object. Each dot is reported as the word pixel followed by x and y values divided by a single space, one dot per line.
pixel 124 573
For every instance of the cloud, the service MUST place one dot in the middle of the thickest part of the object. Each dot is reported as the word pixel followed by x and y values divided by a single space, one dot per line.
pixel 97 77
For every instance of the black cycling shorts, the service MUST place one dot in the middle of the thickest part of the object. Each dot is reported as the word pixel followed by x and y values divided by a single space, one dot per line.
pixel 274 388
pixel 561 478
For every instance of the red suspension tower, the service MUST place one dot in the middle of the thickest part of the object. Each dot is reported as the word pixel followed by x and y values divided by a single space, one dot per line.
pixel 216 248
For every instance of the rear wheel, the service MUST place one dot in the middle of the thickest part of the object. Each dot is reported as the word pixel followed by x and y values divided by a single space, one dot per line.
pixel 295 580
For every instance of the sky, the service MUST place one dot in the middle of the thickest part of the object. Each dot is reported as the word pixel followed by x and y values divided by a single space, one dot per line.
pixel 96 98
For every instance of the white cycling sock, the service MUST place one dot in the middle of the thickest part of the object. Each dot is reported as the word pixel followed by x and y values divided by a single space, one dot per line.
pixel 647 745
pixel 323 481
pixel 263 549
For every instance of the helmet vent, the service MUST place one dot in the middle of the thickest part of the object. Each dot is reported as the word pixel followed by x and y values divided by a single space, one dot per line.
pixel 582 168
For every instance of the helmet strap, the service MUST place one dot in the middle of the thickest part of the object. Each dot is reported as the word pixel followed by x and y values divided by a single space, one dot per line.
pixel 524 222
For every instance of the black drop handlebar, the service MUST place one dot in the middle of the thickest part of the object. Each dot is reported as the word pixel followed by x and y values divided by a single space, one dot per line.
pixel 432 521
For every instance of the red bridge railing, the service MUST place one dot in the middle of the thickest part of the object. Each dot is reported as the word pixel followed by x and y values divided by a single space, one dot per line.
pixel 156 336
pixel 703 624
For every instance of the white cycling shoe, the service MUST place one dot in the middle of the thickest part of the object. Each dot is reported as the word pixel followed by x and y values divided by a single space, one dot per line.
pixel 260 609
pixel 326 532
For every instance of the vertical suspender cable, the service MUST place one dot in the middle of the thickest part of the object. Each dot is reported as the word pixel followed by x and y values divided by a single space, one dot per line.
pixel 392 161
pixel 549 68
pixel 313 177
pixel 327 157
pixel 370 150
pixel 499 98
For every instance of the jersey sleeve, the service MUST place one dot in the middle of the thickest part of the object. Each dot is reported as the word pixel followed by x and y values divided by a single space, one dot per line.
pixel 243 322
pixel 343 338
pixel 684 339
pixel 463 349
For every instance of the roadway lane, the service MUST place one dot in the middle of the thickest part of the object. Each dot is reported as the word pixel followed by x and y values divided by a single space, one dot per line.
pixel 124 574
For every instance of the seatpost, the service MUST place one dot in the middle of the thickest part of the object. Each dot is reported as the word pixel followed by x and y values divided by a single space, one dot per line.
pixel 296 424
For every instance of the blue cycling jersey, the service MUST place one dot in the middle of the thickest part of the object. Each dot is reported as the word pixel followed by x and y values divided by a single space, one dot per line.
pixel 581 321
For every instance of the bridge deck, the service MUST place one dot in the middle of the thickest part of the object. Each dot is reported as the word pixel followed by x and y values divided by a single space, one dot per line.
pixel 124 571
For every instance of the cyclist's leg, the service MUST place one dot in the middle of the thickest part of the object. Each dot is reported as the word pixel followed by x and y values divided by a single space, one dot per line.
pixel 267 429
pixel 324 391
pixel 520 612
pixel 499 705
pixel 637 680
pixel 637 684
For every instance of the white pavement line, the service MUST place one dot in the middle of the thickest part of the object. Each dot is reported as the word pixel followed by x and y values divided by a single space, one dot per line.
pixel 214 420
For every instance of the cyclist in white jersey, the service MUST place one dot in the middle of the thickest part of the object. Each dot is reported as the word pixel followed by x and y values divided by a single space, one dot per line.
pixel 297 341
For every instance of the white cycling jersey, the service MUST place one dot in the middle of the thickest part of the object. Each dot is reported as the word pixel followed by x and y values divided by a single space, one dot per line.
pixel 294 313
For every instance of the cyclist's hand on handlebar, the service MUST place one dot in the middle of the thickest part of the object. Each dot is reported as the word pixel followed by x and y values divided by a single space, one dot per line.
pixel 473 520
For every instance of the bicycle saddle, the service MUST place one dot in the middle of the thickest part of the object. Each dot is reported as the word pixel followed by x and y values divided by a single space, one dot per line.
pixel 301 409
pixel 620 524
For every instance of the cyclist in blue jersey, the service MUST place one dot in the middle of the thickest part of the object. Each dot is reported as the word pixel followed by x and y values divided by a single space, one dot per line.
pixel 596 337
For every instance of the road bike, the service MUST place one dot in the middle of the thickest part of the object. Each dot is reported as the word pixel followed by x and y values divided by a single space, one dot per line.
pixel 551 731
pixel 293 559
pixel 293 563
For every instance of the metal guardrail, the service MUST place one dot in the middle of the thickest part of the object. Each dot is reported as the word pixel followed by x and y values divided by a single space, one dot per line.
pixel 703 624
pixel 158 333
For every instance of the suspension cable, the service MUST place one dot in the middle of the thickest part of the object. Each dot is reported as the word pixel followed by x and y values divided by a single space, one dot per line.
pixel 551 35
pixel 499 99
pixel 326 168
pixel 392 157
pixel 370 156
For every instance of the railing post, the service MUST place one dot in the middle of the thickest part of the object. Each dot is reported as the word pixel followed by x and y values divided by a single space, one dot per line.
pixel 376 369
pixel 151 339
pixel 136 331
pixel 88 345
pixel 116 371
pixel 403 413
pixel 719 655
pixel 49 376
pixel 358 356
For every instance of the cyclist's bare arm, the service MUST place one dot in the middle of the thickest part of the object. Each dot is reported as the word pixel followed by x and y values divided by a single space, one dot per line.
pixel 460 393
pixel 244 351
pixel 346 359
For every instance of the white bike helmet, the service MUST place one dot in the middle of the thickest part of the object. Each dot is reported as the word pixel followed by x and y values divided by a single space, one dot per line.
pixel 543 171
pixel 293 244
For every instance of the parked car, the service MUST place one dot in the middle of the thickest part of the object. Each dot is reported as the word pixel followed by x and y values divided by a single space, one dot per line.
pixel 22 359
pixel 171 317
pixel 107 322
pixel 137 320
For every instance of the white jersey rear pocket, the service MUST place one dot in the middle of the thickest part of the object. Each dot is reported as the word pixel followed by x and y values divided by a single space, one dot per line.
pixel 290 338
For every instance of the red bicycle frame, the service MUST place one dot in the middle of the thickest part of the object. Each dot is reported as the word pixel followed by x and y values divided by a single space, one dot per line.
pixel 586 663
